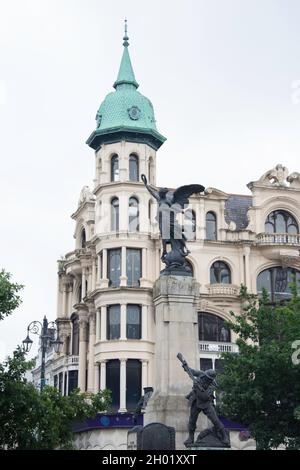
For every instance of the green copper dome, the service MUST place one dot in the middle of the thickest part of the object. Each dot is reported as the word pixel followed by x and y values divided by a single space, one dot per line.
pixel 125 113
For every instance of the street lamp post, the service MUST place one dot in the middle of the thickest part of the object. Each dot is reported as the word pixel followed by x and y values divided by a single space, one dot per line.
pixel 42 329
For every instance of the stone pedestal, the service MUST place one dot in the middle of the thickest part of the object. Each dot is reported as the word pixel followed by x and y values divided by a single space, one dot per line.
pixel 175 300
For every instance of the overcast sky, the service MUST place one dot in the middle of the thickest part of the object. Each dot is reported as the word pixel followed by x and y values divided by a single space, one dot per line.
pixel 224 79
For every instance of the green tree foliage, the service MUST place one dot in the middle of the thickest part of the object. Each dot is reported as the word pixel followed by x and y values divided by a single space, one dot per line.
pixel 261 384
pixel 33 420
pixel 9 298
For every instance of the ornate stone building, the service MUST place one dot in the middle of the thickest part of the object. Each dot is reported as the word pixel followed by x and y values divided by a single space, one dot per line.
pixel 105 309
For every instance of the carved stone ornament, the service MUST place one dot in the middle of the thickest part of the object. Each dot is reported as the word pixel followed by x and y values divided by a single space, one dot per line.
pixel 277 176
pixel 294 180
pixel 86 195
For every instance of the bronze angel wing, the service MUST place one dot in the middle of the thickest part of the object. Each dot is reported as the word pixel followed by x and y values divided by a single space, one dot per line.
pixel 181 195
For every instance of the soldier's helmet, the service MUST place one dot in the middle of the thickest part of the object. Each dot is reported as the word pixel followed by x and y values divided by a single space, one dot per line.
pixel 210 374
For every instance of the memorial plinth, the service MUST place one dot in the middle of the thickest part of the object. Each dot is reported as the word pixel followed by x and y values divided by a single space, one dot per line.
pixel 175 300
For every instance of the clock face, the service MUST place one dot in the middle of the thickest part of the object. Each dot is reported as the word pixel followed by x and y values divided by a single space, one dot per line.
pixel 134 113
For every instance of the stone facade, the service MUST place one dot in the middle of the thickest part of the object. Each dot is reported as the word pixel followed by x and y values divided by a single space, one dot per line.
pixel 106 284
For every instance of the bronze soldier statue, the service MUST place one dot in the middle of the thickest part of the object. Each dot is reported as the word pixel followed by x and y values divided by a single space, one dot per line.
pixel 170 203
pixel 201 400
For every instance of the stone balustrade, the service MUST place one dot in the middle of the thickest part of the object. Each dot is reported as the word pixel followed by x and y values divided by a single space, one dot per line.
pixel 216 347
pixel 223 289
pixel 278 238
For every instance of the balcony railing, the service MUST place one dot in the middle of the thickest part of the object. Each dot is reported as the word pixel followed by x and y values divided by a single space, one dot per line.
pixel 73 255
pixel 215 347
pixel 278 238
pixel 223 289
pixel 73 360
pixel 65 361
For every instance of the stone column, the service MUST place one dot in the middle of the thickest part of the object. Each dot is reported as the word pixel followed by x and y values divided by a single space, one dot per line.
pixel 123 318
pixel 144 374
pixel 201 225
pixel 175 300
pixel 103 324
pixel 144 320
pixel 103 375
pixel 104 280
pixel 247 279
pixel 144 281
pixel 82 353
pixel 94 269
pixel 96 377
pixel 98 320
pixel 64 300
pixel 99 269
pixel 123 277
pixel 122 386
pixel 92 338
pixel 83 283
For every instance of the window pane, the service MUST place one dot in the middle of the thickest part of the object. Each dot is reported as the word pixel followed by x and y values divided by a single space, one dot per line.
pixel 133 267
pixel 281 222
pixel 213 328
pixel 190 224
pixel 73 380
pixel 205 363
pixel 114 267
pixel 133 168
pixel 133 383
pixel 115 215
pixel 277 282
pixel 113 382
pixel 211 226
pixel 113 322
pixel 220 273
pixel 133 214
pixel 115 168
pixel 83 239
pixel 133 323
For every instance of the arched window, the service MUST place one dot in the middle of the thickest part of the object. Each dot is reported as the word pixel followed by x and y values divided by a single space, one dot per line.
pixel 150 170
pixel 213 328
pixel 133 223
pixel 114 167
pixel 211 226
pixel 133 168
pixel 190 266
pixel 281 222
pixel 220 273
pixel 190 224
pixel 115 214
pixel 276 281
pixel 75 335
pixel 83 238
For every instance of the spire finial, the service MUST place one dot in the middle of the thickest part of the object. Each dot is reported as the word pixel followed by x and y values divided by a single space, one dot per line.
pixel 125 38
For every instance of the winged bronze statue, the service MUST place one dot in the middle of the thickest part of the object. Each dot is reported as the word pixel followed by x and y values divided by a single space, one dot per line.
pixel 171 203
